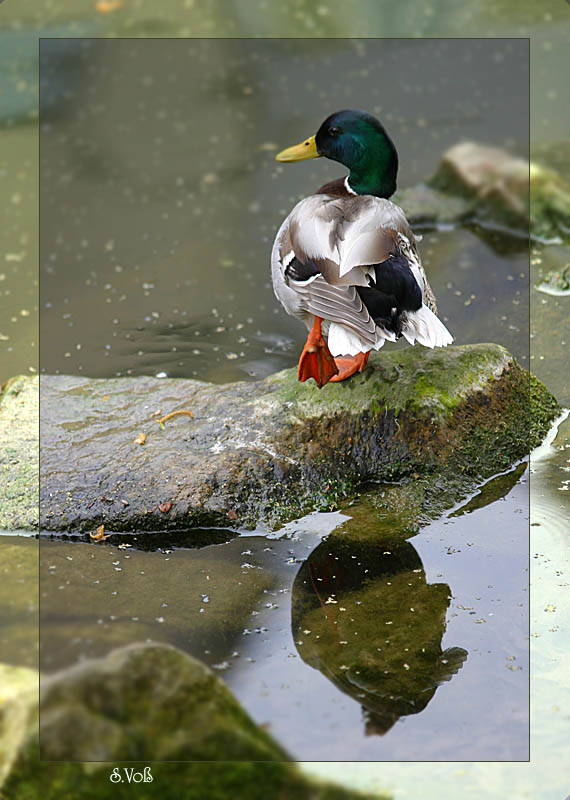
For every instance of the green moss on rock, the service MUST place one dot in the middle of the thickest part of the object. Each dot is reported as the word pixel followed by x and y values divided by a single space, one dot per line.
pixel 186 781
pixel 141 705
pixel 452 418
pixel 543 409
pixel 19 424
pixel 411 378
pixel 270 451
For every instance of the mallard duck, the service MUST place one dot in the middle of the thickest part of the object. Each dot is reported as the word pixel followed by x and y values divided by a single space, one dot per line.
pixel 345 260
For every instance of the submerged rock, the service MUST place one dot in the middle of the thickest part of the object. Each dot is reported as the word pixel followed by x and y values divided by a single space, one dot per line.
pixel 272 450
pixel 199 600
pixel 142 703
pixel 489 175
pixel 495 187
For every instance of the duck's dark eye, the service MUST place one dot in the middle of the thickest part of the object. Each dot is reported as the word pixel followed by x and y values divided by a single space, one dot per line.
pixel 334 131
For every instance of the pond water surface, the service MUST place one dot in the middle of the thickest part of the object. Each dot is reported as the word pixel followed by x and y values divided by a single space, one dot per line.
pixel 146 272
pixel 338 645
pixel 160 198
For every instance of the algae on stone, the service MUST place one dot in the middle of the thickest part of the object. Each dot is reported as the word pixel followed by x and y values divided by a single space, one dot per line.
pixel 275 449
pixel 549 202
pixel 19 424
pixel 142 703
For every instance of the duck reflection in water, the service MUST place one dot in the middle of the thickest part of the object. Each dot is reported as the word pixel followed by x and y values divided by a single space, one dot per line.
pixel 364 615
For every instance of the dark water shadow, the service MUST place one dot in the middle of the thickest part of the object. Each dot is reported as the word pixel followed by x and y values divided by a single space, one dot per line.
pixel 192 539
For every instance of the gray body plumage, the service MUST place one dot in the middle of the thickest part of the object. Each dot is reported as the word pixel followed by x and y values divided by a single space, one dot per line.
pixel 345 237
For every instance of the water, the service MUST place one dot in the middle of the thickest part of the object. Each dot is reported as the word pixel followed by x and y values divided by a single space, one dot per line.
pixel 547 24
pixel 244 607
pixel 159 210
pixel 153 263
pixel 549 640
pixel 21 24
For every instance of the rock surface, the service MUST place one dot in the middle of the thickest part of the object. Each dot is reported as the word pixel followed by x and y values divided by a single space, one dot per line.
pixel 146 702
pixel 18 714
pixel 275 449
pixel 19 421
pixel 142 703
pixel 498 187
pixel 489 174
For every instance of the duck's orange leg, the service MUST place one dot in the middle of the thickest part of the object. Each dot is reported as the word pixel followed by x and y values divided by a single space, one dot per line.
pixel 316 360
pixel 348 365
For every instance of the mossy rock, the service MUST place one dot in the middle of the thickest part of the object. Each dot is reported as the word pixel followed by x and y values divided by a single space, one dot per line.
pixel 19 424
pixel 272 450
pixel 146 703
pixel 549 202
pixel 18 712
pixel 497 186
pixel 179 781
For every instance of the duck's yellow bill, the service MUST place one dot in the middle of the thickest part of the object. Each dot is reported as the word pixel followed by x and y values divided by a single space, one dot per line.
pixel 299 152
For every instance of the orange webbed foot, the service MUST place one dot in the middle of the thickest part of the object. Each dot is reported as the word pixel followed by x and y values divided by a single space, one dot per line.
pixel 348 365
pixel 316 360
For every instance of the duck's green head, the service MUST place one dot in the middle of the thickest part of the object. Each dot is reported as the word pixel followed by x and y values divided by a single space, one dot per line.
pixel 357 140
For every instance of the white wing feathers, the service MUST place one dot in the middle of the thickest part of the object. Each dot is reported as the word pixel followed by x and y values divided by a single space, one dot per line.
pixel 424 327
pixel 345 237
